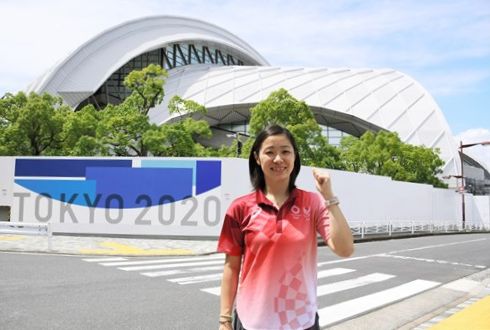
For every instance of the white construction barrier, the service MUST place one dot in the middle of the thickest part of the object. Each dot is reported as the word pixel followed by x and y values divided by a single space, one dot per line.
pixel 188 197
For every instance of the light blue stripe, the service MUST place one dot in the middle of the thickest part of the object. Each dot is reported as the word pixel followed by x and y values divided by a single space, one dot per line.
pixel 57 188
pixel 172 164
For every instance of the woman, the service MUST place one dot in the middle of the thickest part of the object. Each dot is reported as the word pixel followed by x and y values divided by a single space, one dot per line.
pixel 275 228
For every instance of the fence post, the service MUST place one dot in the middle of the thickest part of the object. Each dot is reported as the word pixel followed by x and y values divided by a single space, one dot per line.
pixel 389 228
pixel 50 235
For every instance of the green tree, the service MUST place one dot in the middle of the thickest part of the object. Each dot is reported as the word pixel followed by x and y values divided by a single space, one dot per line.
pixel 147 87
pixel 283 109
pixel 179 138
pixel 31 124
pixel 42 125
pixel 80 132
pixel 125 130
pixel 383 153
pixel 423 165
pixel 121 129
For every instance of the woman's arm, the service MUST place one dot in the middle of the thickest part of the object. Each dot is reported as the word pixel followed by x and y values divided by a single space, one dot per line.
pixel 340 238
pixel 229 285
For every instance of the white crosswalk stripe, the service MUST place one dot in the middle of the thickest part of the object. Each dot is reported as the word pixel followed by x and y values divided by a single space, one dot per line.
pixel 333 272
pixel 350 308
pixel 197 279
pixel 333 287
pixel 158 261
pixel 181 271
pixel 183 264
pixel 204 270
pixel 325 289
pixel 215 290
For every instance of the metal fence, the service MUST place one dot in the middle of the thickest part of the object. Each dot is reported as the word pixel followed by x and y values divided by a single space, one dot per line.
pixel 23 228
pixel 362 229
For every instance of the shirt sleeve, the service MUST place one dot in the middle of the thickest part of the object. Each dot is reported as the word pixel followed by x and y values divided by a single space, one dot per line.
pixel 322 218
pixel 231 239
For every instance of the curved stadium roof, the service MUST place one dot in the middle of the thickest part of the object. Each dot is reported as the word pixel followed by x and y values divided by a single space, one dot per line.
pixel 87 68
pixel 219 70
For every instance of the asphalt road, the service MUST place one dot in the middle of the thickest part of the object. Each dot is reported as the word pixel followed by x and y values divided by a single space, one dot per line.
pixel 39 291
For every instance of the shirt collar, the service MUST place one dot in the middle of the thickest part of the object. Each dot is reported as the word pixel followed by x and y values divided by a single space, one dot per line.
pixel 262 200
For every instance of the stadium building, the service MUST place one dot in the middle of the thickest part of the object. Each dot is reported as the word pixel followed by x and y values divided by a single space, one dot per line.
pixel 224 73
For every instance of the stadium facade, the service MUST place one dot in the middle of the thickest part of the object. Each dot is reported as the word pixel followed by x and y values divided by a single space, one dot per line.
pixel 224 73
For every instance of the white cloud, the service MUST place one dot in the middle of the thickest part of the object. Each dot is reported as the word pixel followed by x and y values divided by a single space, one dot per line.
pixel 479 153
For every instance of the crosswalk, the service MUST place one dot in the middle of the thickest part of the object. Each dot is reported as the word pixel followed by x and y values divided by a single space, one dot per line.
pixel 205 272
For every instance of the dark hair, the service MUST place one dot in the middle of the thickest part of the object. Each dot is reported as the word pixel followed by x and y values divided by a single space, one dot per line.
pixel 256 174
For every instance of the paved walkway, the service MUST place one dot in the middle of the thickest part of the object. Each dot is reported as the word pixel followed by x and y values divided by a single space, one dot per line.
pixel 96 245
pixel 471 312
pixel 115 246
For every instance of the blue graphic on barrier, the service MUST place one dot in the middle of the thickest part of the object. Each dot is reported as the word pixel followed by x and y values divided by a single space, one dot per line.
pixel 62 190
pixel 115 183
pixel 130 183
pixel 63 167
pixel 208 176
pixel 172 164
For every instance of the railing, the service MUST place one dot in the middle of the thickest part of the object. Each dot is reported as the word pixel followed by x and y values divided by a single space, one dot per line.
pixel 25 228
pixel 392 228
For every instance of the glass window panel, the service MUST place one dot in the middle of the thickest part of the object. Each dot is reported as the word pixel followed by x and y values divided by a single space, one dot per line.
pixel 334 141
pixel 164 56
pixel 199 52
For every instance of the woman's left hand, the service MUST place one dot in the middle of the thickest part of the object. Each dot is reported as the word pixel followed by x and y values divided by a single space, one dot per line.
pixel 323 183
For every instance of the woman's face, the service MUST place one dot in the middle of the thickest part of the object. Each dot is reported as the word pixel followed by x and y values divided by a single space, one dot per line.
pixel 276 158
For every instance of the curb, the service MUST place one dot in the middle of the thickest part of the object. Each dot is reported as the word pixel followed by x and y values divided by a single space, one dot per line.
pixel 77 254
pixel 185 245
pixel 381 237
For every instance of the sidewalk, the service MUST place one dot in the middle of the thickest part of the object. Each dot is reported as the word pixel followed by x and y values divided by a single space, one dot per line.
pixel 110 246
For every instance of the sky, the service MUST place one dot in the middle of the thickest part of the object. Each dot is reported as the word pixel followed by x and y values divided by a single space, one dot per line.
pixel 443 44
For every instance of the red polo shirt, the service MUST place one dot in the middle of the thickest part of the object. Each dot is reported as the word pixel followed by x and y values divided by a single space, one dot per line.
pixel 277 287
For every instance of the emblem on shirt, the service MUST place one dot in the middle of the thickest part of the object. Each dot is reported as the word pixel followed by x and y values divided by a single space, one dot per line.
pixel 298 212
pixel 295 210
pixel 307 212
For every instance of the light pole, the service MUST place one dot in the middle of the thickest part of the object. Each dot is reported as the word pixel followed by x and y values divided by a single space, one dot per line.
pixel 461 147
pixel 239 143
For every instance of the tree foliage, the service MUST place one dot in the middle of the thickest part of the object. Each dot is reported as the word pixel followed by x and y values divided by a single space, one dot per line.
pixel 147 88
pixel 385 154
pixel 80 133
pixel 121 129
pixel 31 124
pixel 283 109
pixel 179 138
pixel 41 125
